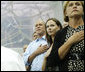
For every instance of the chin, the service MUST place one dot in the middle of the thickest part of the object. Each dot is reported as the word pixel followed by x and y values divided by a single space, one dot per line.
pixel 50 34
pixel 75 15
pixel 38 32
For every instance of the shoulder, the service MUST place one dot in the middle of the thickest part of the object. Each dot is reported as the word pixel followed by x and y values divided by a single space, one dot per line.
pixel 60 35
pixel 62 31
pixel 31 43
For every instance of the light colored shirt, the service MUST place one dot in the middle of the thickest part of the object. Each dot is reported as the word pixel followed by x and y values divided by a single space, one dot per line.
pixel 11 60
pixel 38 60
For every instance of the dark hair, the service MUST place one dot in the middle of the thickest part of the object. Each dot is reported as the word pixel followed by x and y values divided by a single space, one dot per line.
pixel 49 39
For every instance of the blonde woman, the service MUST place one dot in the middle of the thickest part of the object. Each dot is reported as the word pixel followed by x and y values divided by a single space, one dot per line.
pixel 68 48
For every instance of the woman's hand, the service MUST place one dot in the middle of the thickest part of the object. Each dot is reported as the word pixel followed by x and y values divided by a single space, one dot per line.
pixel 76 37
pixel 48 51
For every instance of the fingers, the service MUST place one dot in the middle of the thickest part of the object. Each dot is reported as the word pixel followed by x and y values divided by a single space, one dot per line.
pixel 78 34
pixel 82 38
pixel 81 34
pixel 45 47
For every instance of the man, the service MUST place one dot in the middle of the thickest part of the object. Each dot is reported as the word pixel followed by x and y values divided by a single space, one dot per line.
pixel 35 36
pixel 35 52
pixel 11 60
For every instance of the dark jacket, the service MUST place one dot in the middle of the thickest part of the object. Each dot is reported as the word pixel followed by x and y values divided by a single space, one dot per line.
pixel 53 59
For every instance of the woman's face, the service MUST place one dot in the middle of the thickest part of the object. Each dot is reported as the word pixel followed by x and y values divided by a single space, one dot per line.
pixel 52 28
pixel 74 8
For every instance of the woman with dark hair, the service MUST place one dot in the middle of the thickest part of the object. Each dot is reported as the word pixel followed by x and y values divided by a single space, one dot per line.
pixel 52 26
pixel 68 47
pixel 52 21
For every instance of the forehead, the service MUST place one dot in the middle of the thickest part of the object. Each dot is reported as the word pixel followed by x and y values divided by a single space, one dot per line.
pixel 39 22
pixel 51 22
pixel 74 2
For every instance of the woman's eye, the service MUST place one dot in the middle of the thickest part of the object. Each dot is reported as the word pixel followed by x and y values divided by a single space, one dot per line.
pixel 78 4
pixel 52 25
pixel 70 4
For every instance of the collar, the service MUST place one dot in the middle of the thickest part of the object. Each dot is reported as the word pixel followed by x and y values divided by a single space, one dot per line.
pixel 43 38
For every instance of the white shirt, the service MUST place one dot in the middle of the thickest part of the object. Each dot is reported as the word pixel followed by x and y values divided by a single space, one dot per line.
pixel 11 60
pixel 38 60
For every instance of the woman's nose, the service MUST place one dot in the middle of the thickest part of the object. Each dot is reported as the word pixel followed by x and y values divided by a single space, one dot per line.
pixel 74 6
pixel 49 28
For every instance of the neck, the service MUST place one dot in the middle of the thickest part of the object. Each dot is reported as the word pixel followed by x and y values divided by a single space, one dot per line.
pixel 75 22
pixel 40 35
pixel 52 38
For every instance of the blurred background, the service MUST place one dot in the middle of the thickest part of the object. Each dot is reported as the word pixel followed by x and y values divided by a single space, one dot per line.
pixel 18 19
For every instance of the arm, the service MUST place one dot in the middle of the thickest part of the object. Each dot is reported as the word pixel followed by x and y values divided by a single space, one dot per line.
pixel 45 58
pixel 63 50
pixel 75 38
pixel 40 50
pixel 44 64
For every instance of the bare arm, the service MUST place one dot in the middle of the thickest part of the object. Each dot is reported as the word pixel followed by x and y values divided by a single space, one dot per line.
pixel 63 50
pixel 44 64
pixel 45 58
pixel 75 38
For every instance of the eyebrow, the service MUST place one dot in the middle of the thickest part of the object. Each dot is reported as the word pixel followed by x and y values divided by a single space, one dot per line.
pixel 75 2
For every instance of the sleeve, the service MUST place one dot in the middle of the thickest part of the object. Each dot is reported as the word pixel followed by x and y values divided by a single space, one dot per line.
pixel 27 54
